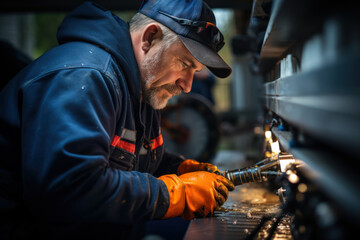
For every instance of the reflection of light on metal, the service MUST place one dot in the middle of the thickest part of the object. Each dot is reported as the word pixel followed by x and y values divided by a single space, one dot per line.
pixel 268 154
pixel 284 163
pixel 275 147
pixel 268 135
pixel 302 187
pixel 272 145
pixel 293 178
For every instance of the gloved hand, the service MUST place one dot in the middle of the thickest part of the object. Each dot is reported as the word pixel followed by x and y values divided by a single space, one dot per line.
pixel 190 165
pixel 196 194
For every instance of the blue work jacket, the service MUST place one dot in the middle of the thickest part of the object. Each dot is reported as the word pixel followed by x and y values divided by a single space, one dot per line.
pixel 80 152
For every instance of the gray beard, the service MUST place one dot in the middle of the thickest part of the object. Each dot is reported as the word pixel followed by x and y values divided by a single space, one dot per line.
pixel 150 94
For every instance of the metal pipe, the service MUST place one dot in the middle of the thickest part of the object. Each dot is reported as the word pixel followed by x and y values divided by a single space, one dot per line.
pixel 239 177
pixel 251 174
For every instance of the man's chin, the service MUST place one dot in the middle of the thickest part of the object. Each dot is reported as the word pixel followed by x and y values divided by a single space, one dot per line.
pixel 159 97
pixel 157 103
pixel 159 107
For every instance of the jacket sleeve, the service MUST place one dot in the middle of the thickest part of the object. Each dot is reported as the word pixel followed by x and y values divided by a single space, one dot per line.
pixel 169 164
pixel 68 121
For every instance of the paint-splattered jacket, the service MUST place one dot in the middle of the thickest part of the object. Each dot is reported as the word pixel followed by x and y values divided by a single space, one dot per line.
pixel 79 151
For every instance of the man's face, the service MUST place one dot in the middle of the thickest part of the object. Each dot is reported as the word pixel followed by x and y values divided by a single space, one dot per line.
pixel 166 73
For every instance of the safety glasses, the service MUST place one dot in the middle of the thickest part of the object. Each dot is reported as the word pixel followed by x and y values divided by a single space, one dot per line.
pixel 205 32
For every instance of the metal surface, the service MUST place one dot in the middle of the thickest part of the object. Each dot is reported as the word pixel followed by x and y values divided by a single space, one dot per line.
pixel 322 102
pixel 290 21
pixel 316 104
pixel 241 215
pixel 328 172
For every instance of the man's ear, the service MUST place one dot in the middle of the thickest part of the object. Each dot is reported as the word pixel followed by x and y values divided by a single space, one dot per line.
pixel 151 35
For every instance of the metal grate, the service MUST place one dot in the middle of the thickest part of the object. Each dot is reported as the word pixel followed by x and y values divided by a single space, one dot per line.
pixel 251 212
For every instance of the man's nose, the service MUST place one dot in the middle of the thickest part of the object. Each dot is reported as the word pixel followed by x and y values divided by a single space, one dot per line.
pixel 185 82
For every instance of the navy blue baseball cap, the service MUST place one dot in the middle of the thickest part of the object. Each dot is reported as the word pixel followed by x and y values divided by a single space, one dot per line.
pixel 195 24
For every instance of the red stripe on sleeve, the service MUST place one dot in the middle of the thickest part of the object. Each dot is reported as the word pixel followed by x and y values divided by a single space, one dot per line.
pixel 157 142
pixel 117 142
pixel 126 146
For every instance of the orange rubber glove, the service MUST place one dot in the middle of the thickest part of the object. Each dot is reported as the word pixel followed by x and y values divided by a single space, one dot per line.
pixel 176 189
pixel 196 194
pixel 190 165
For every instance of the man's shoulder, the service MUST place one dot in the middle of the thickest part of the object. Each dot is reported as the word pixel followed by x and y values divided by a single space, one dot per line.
pixel 76 54
pixel 70 58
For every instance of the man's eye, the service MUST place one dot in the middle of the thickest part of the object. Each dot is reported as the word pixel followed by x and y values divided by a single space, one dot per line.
pixel 184 64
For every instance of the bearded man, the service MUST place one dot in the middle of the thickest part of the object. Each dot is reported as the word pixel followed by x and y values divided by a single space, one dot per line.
pixel 80 138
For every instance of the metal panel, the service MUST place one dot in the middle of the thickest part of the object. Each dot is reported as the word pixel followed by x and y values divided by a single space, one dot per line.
pixel 292 21
pixel 339 182
pixel 333 173
pixel 340 77
pixel 323 103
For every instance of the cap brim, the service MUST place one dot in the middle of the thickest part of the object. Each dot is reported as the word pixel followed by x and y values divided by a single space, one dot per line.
pixel 207 56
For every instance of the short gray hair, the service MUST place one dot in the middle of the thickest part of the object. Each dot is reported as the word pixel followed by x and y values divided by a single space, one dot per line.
pixel 140 21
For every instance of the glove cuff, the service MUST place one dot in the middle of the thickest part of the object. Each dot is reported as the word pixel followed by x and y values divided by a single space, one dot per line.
pixel 176 189
pixel 188 165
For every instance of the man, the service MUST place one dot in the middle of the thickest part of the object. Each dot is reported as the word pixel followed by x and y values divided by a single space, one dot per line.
pixel 82 151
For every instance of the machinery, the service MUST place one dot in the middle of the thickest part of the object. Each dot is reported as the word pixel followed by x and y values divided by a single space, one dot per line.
pixel 306 55
pixel 190 127
pixel 295 78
